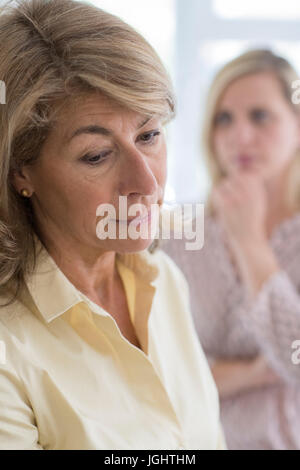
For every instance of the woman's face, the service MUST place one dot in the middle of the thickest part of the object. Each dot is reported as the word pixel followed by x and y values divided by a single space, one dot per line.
pixel 96 152
pixel 255 127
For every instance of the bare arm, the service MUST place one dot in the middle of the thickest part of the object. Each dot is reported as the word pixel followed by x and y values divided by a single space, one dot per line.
pixel 236 376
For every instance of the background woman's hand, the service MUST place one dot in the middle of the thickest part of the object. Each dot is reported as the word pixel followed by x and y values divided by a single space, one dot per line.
pixel 262 373
pixel 240 375
pixel 240 202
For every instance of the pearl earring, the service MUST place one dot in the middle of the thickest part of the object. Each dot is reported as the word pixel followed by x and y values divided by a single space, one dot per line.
pixel 25 193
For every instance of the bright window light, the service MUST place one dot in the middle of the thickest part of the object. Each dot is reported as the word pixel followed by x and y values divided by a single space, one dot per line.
pixel 257 9
pixel 215 54
pixel 155 20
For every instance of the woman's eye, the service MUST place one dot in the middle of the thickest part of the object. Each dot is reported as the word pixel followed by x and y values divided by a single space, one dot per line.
pixel 259 115
pixel 96 159
pixel 223 118
pixel 149 137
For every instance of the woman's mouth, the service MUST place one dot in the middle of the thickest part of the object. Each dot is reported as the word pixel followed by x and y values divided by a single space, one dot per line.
pixel 245 160
pixel 135 221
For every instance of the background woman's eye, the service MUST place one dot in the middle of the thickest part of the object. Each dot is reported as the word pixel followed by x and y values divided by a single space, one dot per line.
pixel 223 118
pixel 149 137
pixel 259 115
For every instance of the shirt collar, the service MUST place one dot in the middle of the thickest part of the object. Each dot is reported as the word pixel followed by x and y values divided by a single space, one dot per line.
pixel 52 292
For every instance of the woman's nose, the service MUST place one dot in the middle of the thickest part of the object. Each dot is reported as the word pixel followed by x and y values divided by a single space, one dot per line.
pixel 136 174
pixel 243 132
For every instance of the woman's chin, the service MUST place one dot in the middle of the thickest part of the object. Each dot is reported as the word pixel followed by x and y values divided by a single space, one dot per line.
pixel 132 246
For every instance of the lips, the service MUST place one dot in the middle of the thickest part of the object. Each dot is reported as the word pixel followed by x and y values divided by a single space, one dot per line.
pixel 245 159
pixel 141 219
pixel 137 219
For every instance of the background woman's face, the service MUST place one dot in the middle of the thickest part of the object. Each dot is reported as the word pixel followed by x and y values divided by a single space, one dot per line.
pixel 80 169
pixel 255 127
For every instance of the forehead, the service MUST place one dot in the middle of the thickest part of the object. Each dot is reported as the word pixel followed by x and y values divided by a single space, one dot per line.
pixel 92 109
pixel 253 89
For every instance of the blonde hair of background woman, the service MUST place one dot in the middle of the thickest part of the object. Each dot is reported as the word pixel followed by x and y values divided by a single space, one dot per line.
pixel 52 51
pixel 251 62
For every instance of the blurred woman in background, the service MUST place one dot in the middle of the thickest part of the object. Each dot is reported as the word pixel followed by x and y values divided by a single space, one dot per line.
pixel 245 281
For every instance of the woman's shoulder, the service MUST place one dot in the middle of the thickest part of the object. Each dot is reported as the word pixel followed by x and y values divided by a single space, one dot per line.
pixel 288 229
pixel 15 314
pixel 285 241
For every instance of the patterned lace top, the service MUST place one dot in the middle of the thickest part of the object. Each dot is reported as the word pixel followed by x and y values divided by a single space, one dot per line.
pixel 231 327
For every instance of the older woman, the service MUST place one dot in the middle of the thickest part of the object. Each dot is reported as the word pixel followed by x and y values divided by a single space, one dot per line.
pixel 100 347
pixel 245 282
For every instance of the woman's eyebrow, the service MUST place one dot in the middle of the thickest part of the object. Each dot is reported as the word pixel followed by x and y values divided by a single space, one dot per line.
pixel 95 129
pixel 90 129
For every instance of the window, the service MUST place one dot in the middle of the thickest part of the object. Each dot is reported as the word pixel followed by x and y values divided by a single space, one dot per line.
pixel 155 20
pixel 257 9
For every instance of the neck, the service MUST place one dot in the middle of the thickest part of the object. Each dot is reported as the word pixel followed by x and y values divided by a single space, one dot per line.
pixel 91 271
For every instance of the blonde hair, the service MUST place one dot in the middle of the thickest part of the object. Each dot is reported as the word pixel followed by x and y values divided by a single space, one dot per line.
pixel 251 62
pixel 51 51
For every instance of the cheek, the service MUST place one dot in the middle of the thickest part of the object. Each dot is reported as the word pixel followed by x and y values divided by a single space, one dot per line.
pixel 217 145
pixel 68 195
pixel 282 141
pixel 220 146
pixel 85 194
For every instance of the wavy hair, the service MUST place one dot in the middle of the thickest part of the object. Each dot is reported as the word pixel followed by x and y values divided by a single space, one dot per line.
pixel 51 51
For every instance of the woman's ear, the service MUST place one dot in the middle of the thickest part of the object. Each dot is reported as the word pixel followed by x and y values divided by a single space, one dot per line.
pixel 21 181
